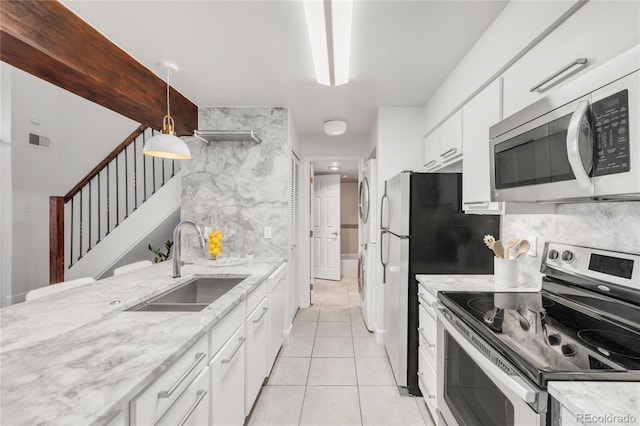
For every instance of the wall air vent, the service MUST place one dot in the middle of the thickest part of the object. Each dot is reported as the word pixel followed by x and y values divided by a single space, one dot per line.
pixel 39 141
pixel 228 136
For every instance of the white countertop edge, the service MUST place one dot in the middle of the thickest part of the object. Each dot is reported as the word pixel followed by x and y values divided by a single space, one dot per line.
pixel 599 403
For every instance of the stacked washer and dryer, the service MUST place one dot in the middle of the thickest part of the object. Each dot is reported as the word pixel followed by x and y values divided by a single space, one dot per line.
pixel 367 263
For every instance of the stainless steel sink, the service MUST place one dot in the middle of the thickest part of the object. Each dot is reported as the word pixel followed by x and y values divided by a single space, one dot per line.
pixel 192 296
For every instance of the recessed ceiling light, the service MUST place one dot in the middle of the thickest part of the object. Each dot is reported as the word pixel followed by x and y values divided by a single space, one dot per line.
pixel 334 168
pixel 335 127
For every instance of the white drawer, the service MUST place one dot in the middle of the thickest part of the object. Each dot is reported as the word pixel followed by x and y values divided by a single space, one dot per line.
pixel 222 331
pixel 427 382
pixel 426 298
pixel 192 408
pixel 152 403
pixel 256 296
pixel 427 334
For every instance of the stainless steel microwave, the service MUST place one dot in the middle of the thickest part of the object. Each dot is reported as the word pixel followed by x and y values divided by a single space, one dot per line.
pixel 579 143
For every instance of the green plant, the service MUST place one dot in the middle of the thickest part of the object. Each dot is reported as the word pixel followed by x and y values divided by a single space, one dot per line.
pixel 159 256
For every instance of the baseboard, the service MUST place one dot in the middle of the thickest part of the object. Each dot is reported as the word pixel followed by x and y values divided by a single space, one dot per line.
pixel 12 299
pixel 286 335
pixel 379 336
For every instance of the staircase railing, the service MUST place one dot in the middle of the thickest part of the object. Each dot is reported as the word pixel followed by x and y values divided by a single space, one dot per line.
pixel 103 199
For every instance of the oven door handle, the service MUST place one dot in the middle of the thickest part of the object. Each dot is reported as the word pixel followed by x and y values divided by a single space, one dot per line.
pixel 573 144
pixel 515 384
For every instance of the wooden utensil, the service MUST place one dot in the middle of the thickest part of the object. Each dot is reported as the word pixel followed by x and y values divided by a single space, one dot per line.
pixel 522 248
pixel 510 244
pixel 498 249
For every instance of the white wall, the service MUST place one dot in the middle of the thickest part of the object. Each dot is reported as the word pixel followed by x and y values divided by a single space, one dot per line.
pixel 6 204
pixel 82 133
pixel 340 146
pixel 512 31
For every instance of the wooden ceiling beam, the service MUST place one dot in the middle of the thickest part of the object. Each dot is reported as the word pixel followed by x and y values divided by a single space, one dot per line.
pixel 46 39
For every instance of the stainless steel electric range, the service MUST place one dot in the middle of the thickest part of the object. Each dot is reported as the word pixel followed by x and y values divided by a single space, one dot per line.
pixel 501 349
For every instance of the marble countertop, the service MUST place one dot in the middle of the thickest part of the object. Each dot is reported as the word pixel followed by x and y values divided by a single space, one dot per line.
pixel 436 283
pixel 76 357
pixel 599 403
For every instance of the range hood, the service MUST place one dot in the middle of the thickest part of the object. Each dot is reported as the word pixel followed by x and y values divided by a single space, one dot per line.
pixel 228 136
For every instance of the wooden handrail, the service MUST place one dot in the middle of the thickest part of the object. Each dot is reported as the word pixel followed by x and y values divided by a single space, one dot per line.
pixel 56 240
pixel 101 165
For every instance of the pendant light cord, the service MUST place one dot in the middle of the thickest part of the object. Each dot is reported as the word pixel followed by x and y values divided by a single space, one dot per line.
pixel 168 107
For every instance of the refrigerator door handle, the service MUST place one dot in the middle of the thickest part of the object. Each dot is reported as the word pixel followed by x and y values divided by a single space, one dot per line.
pixel 382 261
pixel 384 223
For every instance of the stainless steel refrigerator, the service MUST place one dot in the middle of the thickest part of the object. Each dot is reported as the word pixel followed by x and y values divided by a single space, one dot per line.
pixel 424 231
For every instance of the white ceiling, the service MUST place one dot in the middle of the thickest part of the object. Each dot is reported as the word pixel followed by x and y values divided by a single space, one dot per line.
pixel 348 169
pixel 256 53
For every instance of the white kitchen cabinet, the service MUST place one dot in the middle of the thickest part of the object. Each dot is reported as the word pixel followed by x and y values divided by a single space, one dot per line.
pixel 598 32
pixel 427 346
pixel 276 295
pixel 257 329
pixel 192 407
pixel 227 369
pixel 451 139
pixel 432 159
pixel 479 114
pixel 443 146
pixel 148 407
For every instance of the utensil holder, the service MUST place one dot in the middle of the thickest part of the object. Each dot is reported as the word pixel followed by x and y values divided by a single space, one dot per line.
pixel 505 272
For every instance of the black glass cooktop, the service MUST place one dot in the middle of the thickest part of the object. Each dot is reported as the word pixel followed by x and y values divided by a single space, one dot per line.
pixel 569 334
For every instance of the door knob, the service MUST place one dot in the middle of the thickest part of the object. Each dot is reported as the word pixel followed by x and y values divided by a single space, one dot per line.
pixel 334 233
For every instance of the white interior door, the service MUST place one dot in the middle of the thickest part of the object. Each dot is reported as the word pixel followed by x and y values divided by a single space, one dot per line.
pixel 326 227
pixel 312 299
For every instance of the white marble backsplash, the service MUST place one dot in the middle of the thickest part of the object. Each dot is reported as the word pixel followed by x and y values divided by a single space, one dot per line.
pixel 240 188
pixel 611 226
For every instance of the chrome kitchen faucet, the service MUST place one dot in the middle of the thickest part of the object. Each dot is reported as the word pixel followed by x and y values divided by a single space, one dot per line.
pixel 177 245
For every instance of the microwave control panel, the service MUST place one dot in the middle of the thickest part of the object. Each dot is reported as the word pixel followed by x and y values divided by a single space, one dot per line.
pixel 611 122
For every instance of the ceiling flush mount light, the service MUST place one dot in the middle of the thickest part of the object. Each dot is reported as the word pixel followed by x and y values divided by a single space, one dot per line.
pixel 329 27
pixel 335 127
pixel 334 168
pixel 167 144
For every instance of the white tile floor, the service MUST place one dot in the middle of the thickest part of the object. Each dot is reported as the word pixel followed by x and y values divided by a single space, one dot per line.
pixel 333 372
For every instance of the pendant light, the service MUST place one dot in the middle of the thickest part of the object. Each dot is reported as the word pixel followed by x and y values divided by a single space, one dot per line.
pixel 167 144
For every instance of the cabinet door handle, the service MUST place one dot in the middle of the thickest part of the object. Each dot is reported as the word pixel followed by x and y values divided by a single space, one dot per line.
pixel 199 397
pixel 264 311
pixel 449 153
pixel 477 204
pixel 430 163
pixel 579 61
pixel 240 342
pixel 424 336
pixel 420 376
pixel 166 394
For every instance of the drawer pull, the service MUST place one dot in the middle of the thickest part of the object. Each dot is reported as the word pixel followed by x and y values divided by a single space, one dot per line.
pixel 538 87
pixel 240 342
pixel 264 311
pixel 424 299
pixel 430 163
pixel 199 397
pixel 424 336
pixel 449 153
pixel 430 305
pixel 166 394
pixel 426 389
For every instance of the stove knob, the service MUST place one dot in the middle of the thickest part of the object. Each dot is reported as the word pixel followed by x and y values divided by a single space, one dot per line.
pixel 554 339
pixel 553 254
pixel 567 256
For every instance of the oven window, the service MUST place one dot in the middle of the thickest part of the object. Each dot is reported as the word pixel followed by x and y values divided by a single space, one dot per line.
pixel 469 393
pixel 535 157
